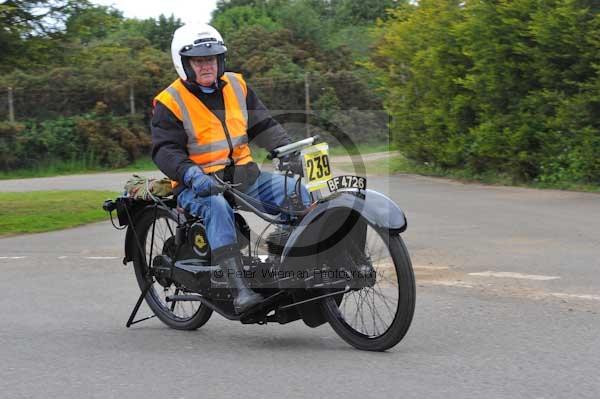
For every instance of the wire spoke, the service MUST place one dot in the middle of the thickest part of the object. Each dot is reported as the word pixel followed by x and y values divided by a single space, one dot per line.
pixel 362 319
pixel 373 311
pixel 385 324
pixel 163 231
pixel 385 302
pixel 357 309
pixel 366 299
pixel 385 278
pixel 375 254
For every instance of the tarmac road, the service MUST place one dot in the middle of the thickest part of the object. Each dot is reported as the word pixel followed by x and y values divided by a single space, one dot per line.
pixel 508 305
pixel 115 181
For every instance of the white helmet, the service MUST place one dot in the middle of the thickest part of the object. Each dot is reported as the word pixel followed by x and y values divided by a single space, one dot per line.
pixel 196 40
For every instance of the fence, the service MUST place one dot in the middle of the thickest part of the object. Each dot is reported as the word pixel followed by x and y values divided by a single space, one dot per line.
pixel 59 121
pixel 22 103
pixel 337 91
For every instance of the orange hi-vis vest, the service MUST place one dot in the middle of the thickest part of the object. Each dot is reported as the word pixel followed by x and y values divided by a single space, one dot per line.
pixel 211 144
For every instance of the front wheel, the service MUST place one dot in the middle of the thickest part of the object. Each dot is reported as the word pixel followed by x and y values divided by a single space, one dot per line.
pixel 377 317
pixel 157 234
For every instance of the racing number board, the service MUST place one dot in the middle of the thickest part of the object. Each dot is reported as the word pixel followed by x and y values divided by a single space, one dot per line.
pixel 317 170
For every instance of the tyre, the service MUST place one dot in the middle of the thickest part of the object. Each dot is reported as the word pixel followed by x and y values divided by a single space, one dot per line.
pixel 157 237
pixel 377 317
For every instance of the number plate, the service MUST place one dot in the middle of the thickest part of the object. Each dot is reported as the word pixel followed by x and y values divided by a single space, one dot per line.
pixel 341 182
pixel 317 170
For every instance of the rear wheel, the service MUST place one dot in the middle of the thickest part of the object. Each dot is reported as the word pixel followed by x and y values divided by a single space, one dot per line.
pixel 157 237
pixel 377 317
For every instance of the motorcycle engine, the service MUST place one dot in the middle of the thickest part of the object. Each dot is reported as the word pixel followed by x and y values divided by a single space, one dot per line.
pixel 276 240
pixel 198 241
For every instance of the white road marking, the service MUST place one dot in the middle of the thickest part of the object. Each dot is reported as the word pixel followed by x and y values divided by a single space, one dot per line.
pixel 450 284
pixel 62 257
pixel 575 296
pixel 101 257
pixel 12 257
pixel 431 267
pixel 515 275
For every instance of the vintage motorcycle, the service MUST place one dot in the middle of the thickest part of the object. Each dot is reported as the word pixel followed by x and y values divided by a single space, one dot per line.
pixel 341 260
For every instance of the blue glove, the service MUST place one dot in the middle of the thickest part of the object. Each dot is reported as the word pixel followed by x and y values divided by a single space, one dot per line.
pixel 202 184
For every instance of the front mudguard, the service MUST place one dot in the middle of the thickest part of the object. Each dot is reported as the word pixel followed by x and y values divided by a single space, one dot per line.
pixel 372 206
pixel 333 223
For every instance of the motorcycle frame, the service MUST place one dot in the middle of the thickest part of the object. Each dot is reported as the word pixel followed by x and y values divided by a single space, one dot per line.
pixel 258 314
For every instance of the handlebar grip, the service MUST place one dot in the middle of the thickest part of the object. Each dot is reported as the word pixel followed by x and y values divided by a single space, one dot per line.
pixel 295 146
pixel 109 205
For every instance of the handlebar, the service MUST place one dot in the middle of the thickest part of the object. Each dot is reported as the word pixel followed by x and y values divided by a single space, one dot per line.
pixel 109 205
pixel 292 147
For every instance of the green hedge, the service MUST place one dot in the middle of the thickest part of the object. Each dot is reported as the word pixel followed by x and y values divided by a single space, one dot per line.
pixel 509 87
pixel 96 139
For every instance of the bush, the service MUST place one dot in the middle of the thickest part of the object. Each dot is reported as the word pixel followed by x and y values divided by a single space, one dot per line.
pixel 495 87
pixel 95 139
pixel 11 144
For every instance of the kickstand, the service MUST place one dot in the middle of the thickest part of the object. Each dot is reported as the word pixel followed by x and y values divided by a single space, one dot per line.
pixel 150 282
pixel 130 322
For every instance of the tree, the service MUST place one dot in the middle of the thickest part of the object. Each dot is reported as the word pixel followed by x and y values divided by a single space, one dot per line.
pixel 418 62
pixel 28 30
pixel 92 23
pixel 353 12
pixel 158 32
pixel 495 86
pixel 233 20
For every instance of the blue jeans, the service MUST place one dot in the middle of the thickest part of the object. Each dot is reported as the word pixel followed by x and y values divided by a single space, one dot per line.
pixel 218 216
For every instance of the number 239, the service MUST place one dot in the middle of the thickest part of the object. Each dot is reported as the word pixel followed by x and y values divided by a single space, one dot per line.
pixel 318 167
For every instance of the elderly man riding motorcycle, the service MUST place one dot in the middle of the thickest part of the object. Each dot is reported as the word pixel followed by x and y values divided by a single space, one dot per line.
pixel 202 125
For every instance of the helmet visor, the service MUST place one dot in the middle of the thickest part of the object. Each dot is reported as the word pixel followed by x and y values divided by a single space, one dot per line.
pixel 202 48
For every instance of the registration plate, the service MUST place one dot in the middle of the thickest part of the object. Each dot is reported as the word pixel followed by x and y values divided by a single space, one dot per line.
pixel 342 182
pixel 317 169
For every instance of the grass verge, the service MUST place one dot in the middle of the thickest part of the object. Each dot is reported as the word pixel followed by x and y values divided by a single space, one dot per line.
pixel 61 168
pixel 39 211
pixel 361 149
pixel 400 164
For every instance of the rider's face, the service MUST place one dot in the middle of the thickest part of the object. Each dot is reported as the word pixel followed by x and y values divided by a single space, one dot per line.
pixel 205 69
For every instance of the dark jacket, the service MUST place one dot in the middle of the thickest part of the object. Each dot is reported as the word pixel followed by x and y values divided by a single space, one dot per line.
pixel 169 140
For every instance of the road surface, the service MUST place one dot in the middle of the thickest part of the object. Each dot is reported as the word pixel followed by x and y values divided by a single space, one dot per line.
pixel 508 304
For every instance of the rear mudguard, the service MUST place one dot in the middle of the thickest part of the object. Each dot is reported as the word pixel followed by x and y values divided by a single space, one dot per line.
pixel 131 244
pixel 325 232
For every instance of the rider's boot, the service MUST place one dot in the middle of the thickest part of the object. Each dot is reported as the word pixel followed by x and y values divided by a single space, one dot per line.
pixel 230 261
